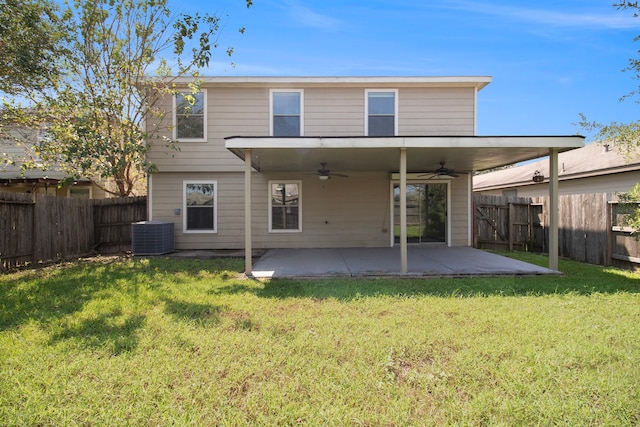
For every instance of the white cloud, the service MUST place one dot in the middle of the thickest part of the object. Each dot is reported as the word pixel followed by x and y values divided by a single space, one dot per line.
pixel 306 17
pixel 612 19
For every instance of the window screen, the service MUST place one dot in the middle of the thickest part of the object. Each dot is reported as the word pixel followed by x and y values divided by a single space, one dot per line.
pixel 381 113
pixel 286 114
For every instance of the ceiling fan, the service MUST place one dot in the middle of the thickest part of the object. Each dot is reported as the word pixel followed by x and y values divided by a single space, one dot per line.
pixel 323 173
pixel 441 172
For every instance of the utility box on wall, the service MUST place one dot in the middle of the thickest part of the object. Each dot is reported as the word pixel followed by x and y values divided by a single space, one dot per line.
pixel 152 238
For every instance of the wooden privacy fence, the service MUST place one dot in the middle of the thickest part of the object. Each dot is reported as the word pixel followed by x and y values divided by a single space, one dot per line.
pixel 588 230
pixel 39 228
pixel 112 222
pixel 507 224
pixel 584 227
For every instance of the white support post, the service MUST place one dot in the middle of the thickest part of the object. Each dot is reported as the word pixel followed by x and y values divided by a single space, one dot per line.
pixel 248 251
pixel 554 214
pixel 403 210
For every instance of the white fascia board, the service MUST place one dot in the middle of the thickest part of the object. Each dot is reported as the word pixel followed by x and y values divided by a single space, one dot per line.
pixel 559 142
pixel 449 81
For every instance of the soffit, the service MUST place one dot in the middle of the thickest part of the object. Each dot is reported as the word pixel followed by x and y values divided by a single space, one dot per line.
pixel 462 154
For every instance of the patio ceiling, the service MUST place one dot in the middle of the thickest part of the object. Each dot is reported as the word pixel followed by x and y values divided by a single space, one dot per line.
pixel 463 154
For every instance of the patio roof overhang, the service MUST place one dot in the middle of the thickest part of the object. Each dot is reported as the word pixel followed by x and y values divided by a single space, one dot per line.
pixel 463 154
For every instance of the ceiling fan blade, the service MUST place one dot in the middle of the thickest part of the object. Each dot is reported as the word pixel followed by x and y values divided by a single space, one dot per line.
pixel 325 173
pixel 441 172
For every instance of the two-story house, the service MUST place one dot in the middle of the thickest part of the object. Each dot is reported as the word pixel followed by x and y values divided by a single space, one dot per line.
pixel 324 162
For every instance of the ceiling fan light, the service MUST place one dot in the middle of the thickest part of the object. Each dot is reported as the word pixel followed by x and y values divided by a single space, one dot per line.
pixel 323 177
pixel 537 176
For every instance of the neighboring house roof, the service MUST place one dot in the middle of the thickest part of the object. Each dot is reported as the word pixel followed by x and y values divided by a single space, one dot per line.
pixel 593 159
pixel 17 152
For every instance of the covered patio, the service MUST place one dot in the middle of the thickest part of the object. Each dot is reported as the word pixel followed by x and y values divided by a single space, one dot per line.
pixel 423 261
pixel 400 156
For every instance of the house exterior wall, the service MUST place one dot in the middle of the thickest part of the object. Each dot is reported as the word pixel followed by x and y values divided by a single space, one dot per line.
pixel 436 111
pixel 353 212
pixel 238 111
pixel 459 211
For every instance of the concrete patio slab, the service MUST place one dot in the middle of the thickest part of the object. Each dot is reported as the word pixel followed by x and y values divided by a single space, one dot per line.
pixel 423 261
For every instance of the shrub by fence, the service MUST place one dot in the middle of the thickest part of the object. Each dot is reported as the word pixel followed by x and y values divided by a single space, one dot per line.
pixel 39 228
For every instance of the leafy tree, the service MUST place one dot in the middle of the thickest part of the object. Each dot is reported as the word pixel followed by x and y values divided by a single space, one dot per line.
pixel 624 136
pixel 629 210
pixel 95 114
pixel 32 38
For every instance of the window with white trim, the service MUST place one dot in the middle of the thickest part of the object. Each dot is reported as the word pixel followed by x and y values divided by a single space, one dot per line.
pixel 285 206
pixel 381 117
pixel 287 118
pixel 190 116
pixel 200 206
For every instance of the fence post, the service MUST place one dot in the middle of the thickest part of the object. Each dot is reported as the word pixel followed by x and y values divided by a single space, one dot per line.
pixel 511 218
pixel 34 227
pixel 609 248
pixel 474 215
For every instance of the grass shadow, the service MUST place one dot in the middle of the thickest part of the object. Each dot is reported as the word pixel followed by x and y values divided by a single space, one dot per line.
pixel 51 293
pixel 56 294
pixel 203 314
pixel 110 331
pixel 578 278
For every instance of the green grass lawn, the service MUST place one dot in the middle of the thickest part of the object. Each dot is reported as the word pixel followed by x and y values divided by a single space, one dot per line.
pixel 190 342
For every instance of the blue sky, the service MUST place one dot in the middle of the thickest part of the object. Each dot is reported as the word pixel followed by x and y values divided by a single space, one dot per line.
pixel 549 60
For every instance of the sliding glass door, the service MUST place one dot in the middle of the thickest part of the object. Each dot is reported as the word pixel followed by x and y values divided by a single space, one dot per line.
pixel 426 213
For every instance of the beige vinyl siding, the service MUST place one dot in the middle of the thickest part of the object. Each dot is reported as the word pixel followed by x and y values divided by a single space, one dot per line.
pixel 351 212
pixel 334 112
pixel 168 195
pixel 230 112
pixel 459 211
pixel 436 111
pixel 330 111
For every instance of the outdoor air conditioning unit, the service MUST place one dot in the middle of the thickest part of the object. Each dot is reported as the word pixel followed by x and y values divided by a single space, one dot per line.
pixel 152 238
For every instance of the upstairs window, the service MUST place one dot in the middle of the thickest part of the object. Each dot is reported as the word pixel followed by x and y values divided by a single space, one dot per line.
pixel 286 113
pixel 190 122
pixel 381 117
